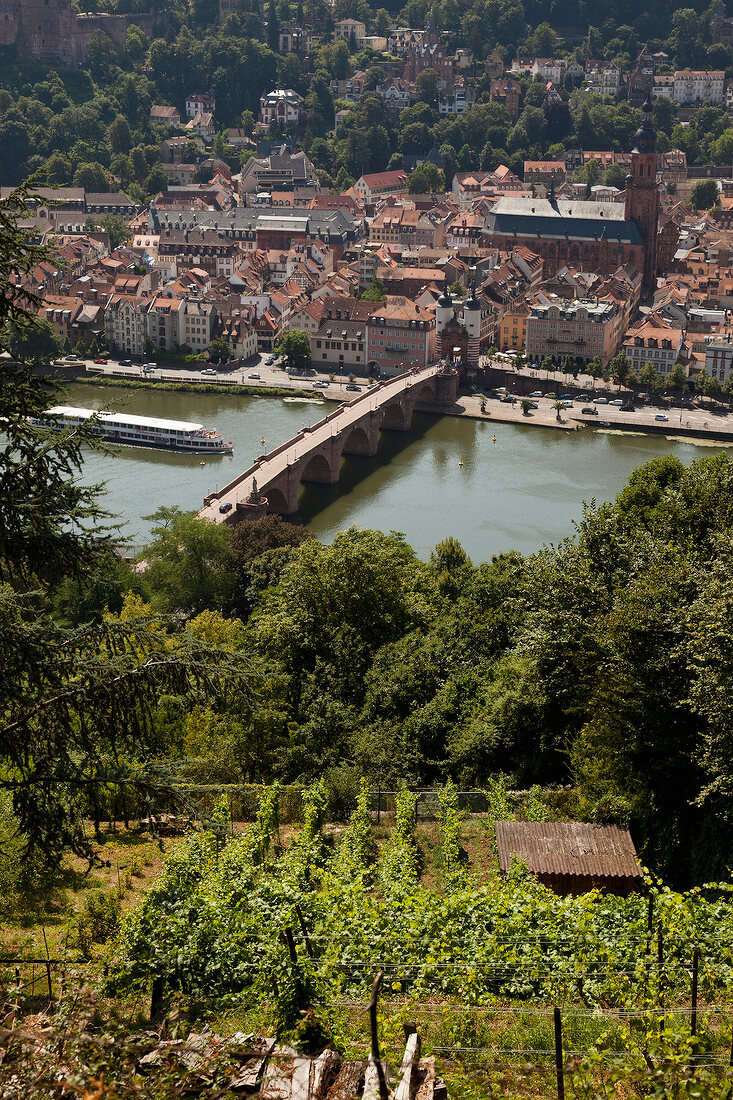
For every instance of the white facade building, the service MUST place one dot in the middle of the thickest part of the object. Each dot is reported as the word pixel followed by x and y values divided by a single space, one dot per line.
pixel 695 86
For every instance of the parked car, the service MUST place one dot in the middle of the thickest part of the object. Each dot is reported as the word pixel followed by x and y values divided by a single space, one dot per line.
pixel 149 366
pixel 71 358
pixel 352 387
pixel 101 362
pixel 536 393
pixel 533 405
pixel 224 508
pixel 209 371
pixel 552 396
pixel 589 410
pixel 567 404
pixel 507 399
pixel 125 362
pixel 566 397
pixel 616 401
pixel 661 416
pixel 600 400
pixel 254 374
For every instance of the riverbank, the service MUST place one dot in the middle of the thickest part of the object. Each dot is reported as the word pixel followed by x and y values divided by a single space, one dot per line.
pixel 693 425
pixel 503 413
pixel 192 387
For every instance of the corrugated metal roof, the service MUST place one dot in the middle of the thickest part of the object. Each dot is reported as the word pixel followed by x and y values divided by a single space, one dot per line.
pixel 568 848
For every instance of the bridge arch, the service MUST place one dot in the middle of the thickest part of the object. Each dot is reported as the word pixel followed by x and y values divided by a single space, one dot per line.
pixel 397 417
pixel 357 442
pixel 319 469
pixel 277 501
pixel 425 392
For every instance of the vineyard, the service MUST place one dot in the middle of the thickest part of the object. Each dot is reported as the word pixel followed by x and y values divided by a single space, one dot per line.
pixel 288 938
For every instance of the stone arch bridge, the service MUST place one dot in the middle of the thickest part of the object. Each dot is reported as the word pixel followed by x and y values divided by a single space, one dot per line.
pixel 272 483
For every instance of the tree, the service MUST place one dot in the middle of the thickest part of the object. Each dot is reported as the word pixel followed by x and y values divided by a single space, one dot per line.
pixel 426 178
pixel 156 180
pixel 620 367
pixel 118 135
pixel 185 565
pixel 615 176
pixel 426 86
pixel 36 343
pixel 77 704
pixel 558 406
pixel 219 349
pixel 295 345
pixel 376 292
pixel 704 194
pixel 382 22
pixel 92 177
pixel 273 28
pixel 678 377
pixel 58 169
pixel 526 406
pixel 650 377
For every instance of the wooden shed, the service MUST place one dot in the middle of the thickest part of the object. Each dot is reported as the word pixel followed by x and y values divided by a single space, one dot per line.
pixel 572 857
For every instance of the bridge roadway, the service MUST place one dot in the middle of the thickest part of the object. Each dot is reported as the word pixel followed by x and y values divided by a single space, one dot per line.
pixel 272 483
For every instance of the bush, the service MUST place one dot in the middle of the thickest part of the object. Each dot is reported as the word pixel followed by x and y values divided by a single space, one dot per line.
pixel 98 920
pixel 343 792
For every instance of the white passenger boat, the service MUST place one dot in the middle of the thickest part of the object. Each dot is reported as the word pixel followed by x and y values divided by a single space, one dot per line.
pixel 140 431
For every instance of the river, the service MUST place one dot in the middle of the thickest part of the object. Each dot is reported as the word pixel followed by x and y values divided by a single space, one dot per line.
pixel 445 477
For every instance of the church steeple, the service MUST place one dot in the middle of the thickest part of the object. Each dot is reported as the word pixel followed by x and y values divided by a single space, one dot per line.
pixel 642 191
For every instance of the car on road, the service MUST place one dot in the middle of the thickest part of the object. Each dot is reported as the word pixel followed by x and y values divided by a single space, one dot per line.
pixel 209 371
pixel 536 393
pixel 600 400
pixel 616 401
pixel 322 385
pixel 661 416
pixel 125 362
pixel 254 374
pixel 352 387
pixel 71 358
pixel 270 360
pixel 224 508
pixel 500 389
pixel 589 411
pixel 101 362
pixel 628 408
pixel 507 399
pixel 533 405
pixel 146 369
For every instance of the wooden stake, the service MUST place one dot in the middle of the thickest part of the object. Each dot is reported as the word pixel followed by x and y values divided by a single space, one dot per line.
pixel 373 1001
pixel 695 967
pixel 304 930
pixel 660 985
pixel 558 1056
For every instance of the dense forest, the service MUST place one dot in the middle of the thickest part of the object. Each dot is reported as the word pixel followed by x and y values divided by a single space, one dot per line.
pixel 90 126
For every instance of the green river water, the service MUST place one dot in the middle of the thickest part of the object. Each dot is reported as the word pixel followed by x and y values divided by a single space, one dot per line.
pixel 522 491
